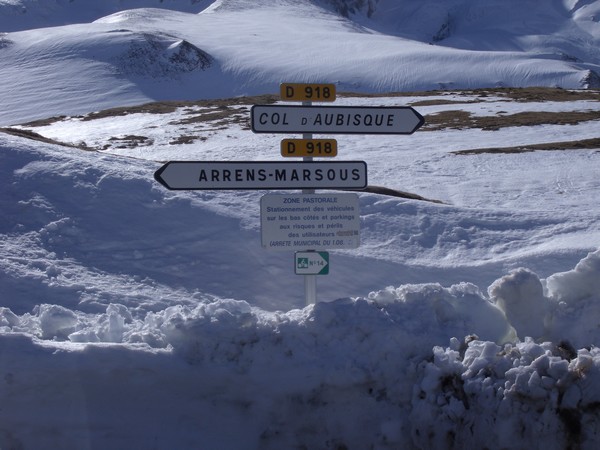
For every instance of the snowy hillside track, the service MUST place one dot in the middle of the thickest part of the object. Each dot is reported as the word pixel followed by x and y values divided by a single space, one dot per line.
pixel 100 57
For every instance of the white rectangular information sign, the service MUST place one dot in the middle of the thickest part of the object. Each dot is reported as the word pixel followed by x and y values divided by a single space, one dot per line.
pixel 309 221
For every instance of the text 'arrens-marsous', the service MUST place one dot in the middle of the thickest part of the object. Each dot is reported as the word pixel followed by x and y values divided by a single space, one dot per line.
pixel 263 174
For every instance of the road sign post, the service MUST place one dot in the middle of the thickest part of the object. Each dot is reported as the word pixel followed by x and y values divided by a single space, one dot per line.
pixel 310 280
pixel 306 222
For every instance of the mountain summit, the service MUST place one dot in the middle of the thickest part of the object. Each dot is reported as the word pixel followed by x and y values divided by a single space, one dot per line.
pixel 67 57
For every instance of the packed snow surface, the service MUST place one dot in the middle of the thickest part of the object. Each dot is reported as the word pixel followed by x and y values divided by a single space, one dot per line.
pixel 132 316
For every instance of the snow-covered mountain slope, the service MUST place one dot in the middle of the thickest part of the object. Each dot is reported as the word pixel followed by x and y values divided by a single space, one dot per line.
pixel 132 316
pixel 491 24
pixel 19 15
pixel 189 50
pixel 494 217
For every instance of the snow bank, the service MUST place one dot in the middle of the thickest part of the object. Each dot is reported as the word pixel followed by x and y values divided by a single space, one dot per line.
pixel 405 363
pixel 520 307
pixel 546 309
pixel 482 395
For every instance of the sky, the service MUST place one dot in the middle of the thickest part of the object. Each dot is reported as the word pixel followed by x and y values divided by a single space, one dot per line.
pixel 133 316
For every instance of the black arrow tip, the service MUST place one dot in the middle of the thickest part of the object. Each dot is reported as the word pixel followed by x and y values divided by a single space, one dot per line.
pixel 158 175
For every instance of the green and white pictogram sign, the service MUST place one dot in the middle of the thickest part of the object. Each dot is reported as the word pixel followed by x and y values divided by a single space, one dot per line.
pixel 311 263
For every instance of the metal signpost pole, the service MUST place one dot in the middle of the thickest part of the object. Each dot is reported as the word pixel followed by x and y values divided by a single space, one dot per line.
pixel 310 281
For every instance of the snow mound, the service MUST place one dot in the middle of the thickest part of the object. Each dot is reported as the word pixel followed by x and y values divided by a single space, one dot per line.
pixel 380 361
pixel 517 310
pixel 544 309
pixel 482 395
pixel 158 56
pixel 4 41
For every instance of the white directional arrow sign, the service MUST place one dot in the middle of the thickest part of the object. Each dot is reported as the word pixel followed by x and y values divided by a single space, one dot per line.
pixel 187 175
pixel 335 119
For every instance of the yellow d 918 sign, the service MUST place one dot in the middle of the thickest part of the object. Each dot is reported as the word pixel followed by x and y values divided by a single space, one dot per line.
pixel 302 92
pixel 309 147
